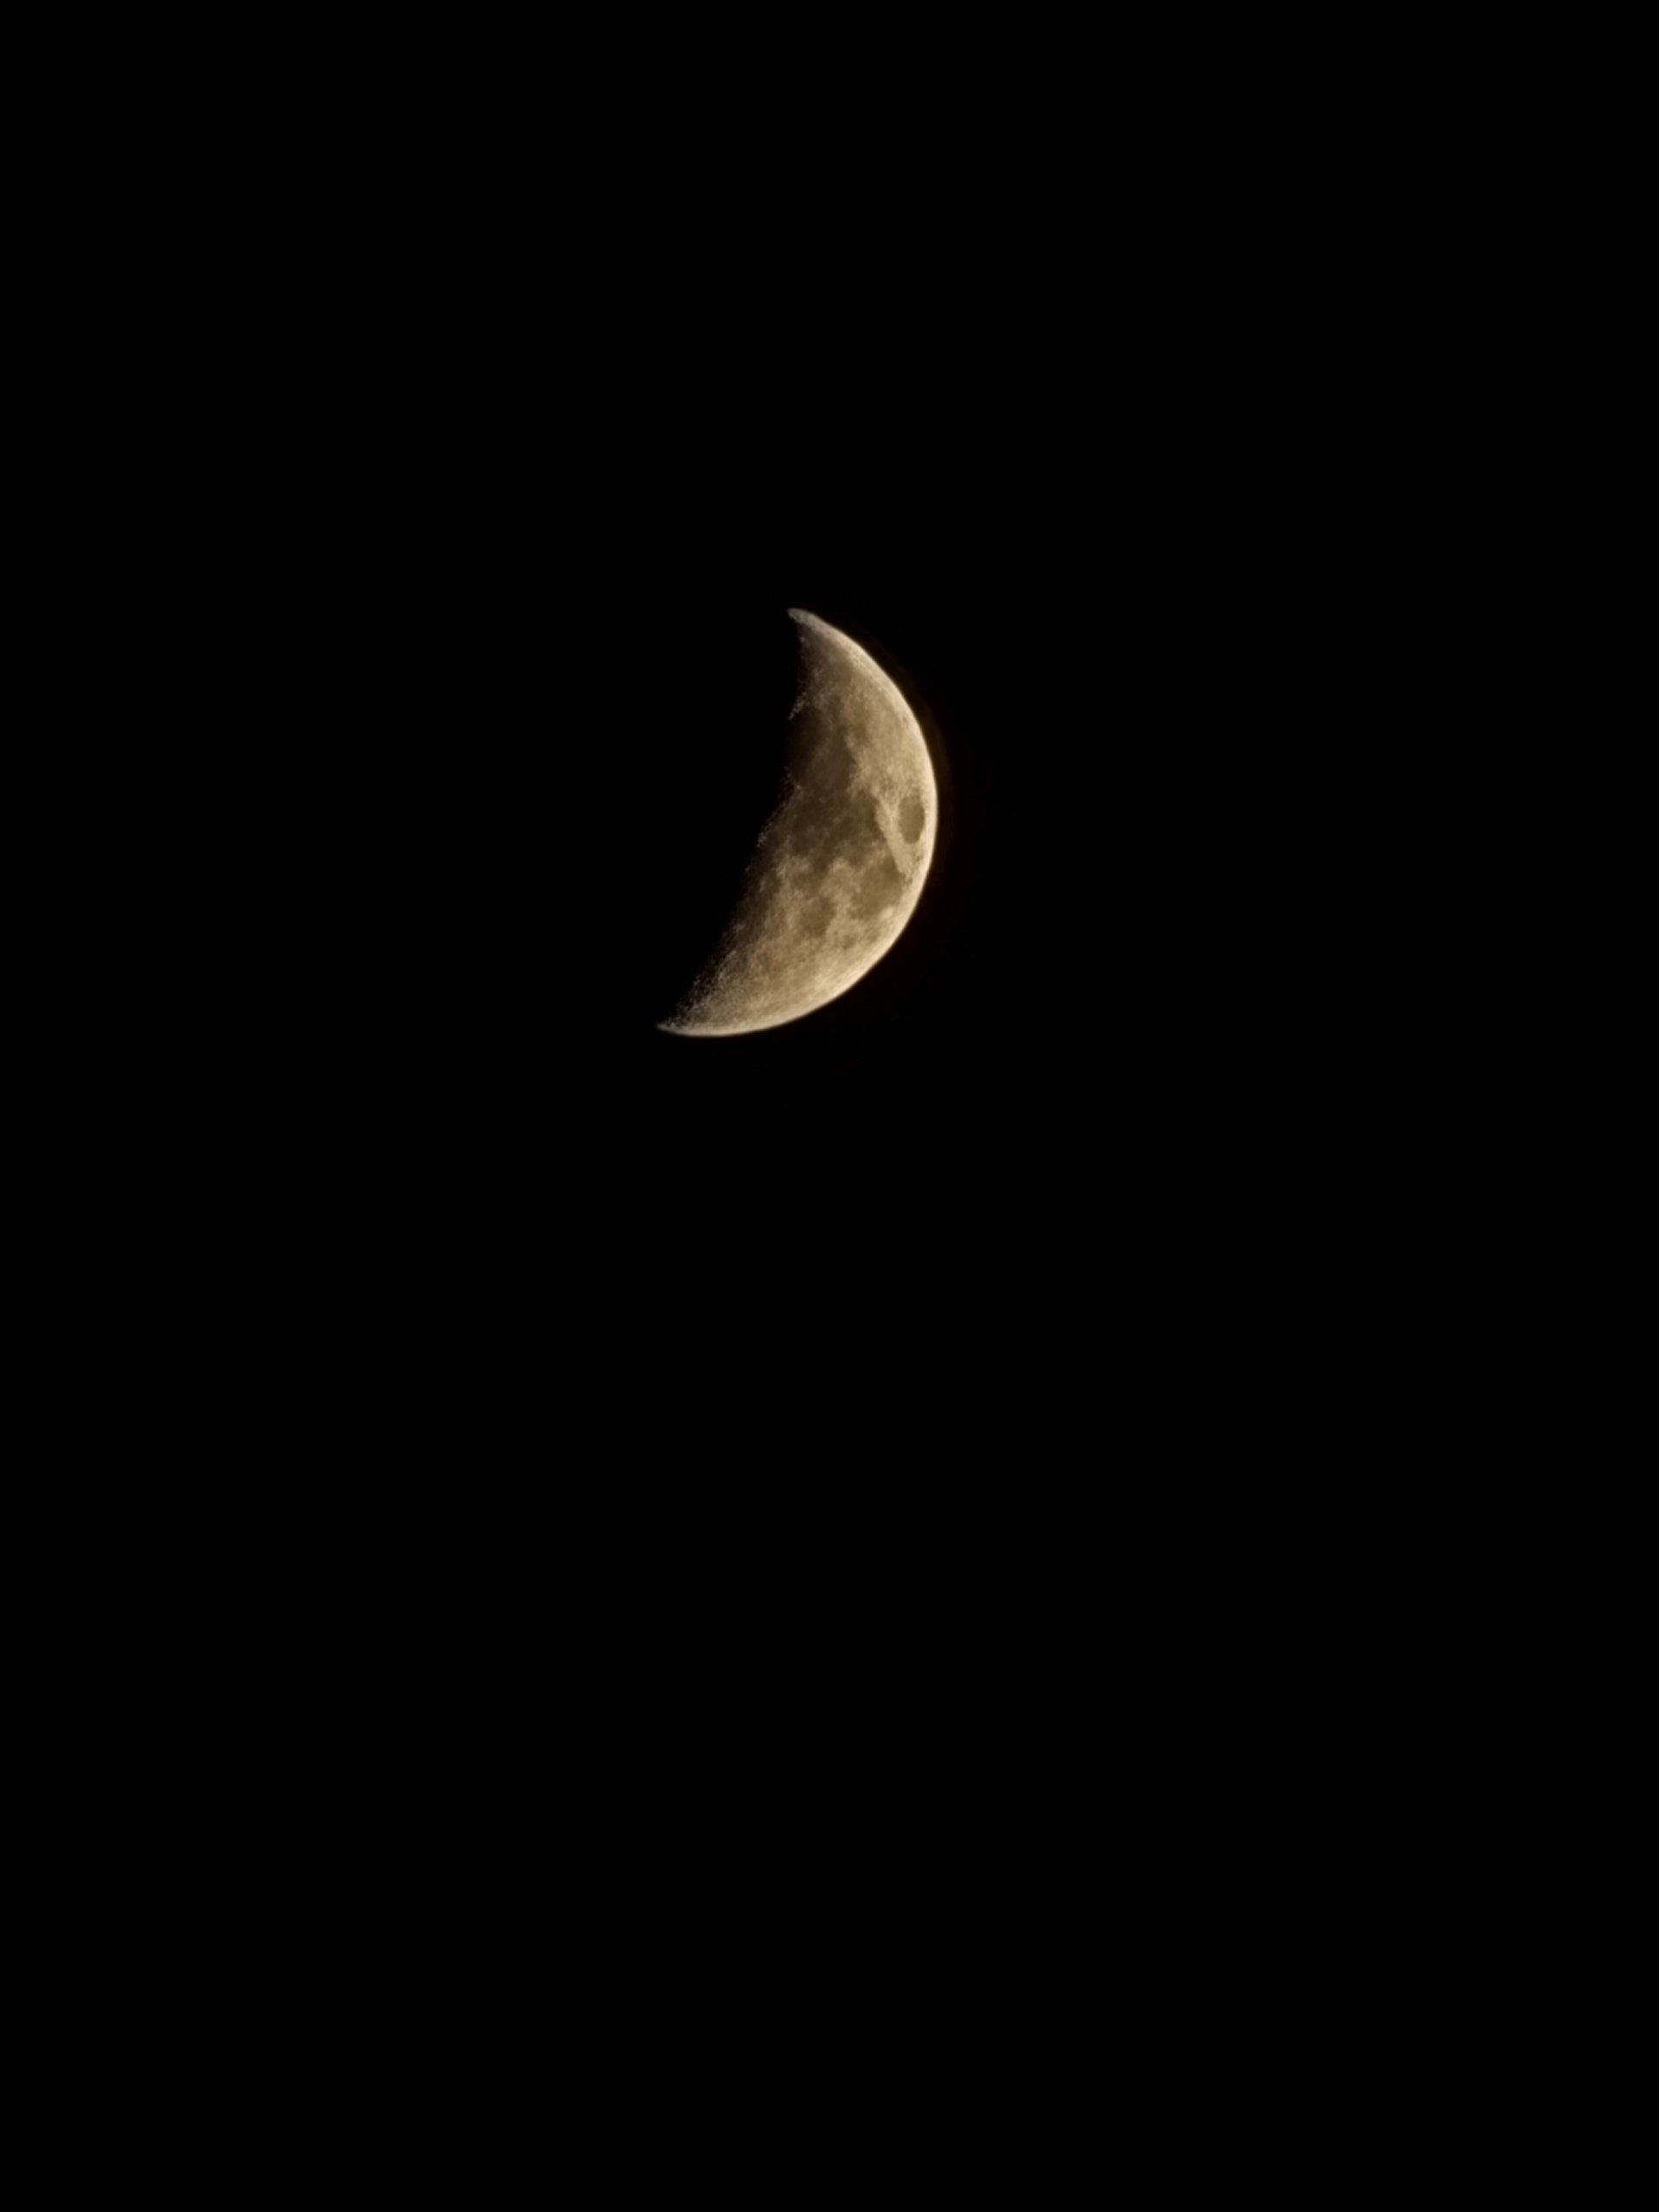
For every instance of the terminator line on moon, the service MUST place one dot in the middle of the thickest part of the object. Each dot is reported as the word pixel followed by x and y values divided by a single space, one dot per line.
pixel 840 864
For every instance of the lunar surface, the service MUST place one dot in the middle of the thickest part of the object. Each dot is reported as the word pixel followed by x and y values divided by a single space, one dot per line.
pixel 839 866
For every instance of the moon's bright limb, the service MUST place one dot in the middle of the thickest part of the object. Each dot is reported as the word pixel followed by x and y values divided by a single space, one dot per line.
pixel 837 870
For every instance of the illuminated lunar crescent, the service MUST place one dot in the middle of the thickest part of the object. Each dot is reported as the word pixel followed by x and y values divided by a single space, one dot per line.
pixel 837 870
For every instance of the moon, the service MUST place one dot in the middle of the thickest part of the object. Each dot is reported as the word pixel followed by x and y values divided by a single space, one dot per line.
pixel 839 866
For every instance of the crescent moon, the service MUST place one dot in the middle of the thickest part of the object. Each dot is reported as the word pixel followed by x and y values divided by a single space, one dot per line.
pixel 837 869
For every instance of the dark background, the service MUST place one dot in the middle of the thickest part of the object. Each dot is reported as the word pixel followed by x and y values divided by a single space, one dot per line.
pixel 980 1413
pixel 1127 461
pixel 1116 1086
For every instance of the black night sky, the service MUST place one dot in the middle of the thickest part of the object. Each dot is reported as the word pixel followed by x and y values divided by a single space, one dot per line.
pixel 1113 1040
pixel 873 1523
pixel 928 1451
pixel 1121 515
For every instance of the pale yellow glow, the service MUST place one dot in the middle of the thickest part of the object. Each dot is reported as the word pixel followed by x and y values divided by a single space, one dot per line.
pixel 838 867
